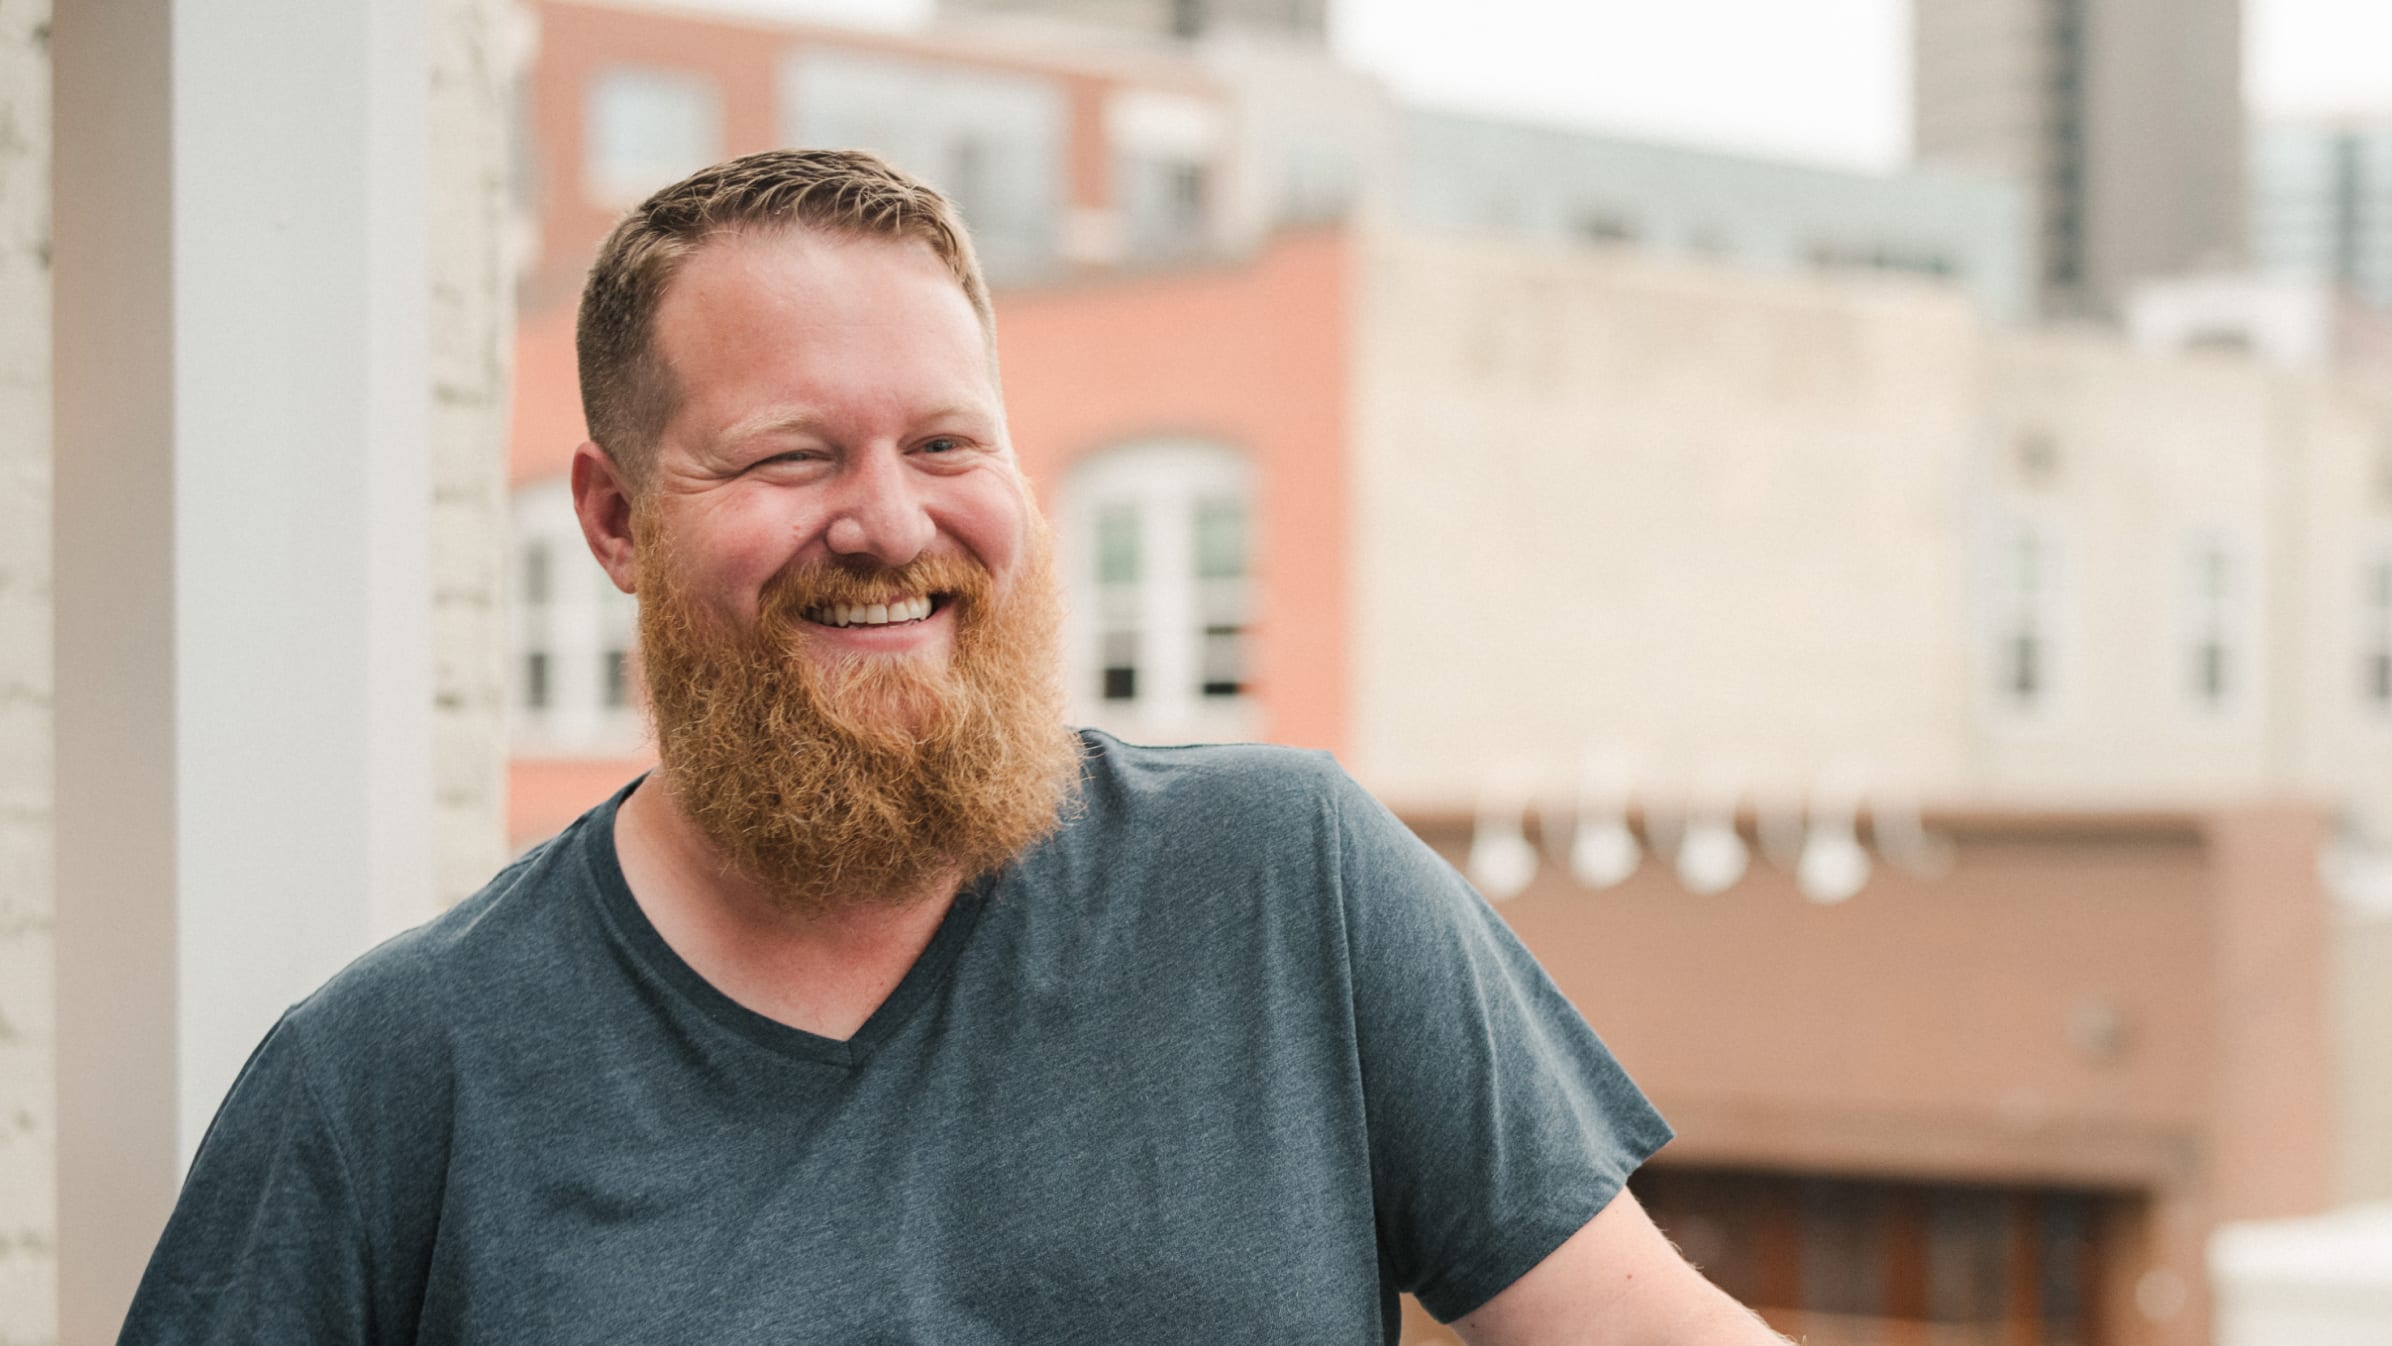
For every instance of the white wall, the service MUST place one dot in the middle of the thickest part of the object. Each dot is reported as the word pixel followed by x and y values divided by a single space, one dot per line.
pixel 1711 517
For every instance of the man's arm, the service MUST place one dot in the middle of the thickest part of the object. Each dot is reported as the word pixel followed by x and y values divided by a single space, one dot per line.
pixel 1617 1282
pixel 265 1247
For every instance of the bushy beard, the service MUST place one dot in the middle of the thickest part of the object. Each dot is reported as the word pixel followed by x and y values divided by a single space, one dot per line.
pixel 837 779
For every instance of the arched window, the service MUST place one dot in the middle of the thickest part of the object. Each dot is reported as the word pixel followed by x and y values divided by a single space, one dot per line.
pixel 1155 540
pixel 570 636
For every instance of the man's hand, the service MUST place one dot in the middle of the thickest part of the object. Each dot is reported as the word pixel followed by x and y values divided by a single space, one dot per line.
pixel 1617 1282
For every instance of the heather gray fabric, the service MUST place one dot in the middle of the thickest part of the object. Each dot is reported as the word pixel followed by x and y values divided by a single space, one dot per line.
pixel 1231 1059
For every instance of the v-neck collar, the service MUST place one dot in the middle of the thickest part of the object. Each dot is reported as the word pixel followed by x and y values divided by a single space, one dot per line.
pixel 628 923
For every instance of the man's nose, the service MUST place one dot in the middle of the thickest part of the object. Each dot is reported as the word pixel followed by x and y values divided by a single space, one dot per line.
pixel 879 511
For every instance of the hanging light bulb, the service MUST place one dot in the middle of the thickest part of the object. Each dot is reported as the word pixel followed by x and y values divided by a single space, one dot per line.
pixel 1603 852
pixel 1833 866
pixel 1502 862
pixel 1903 839
pixel 1711 857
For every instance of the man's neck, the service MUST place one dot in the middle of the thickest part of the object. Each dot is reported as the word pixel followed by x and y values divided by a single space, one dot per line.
pixel 824 970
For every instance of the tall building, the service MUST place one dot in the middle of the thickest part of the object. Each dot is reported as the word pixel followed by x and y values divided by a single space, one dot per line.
pixel 2122 118
pixel 2321 204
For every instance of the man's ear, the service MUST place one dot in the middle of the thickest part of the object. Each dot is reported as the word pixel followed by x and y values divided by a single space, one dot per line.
pixel 602 501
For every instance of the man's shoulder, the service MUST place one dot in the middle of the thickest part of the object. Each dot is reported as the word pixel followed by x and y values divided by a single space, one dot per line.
pixel 1205 811
pixel 1232 775
pixel 417 987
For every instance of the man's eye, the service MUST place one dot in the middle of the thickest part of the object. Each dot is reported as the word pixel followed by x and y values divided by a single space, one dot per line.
pixel 942 444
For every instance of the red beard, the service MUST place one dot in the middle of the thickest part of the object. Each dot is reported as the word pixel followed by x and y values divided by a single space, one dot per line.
pixel 847 780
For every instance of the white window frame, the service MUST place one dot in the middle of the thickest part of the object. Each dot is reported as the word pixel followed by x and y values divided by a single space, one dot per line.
pixel 2010 605
pixel 582 619
pixel 1161 483
pixel 2371 627
pixel 616 181
pixel 2229 616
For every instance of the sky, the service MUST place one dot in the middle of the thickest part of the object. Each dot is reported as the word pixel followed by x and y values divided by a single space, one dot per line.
pixel 1825 80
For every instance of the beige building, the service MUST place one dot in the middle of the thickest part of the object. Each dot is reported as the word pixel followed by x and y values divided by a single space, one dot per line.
pixel 1768 523
pixel 1676 588
pixel 2122 118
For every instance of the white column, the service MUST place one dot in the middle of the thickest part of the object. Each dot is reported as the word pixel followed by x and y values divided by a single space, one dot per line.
pixel 241 571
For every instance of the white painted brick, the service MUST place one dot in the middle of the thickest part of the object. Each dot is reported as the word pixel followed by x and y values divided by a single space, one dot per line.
pixel 473 68
pixel 28 1097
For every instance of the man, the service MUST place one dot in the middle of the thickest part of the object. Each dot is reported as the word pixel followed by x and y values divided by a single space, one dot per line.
pixel 887 1009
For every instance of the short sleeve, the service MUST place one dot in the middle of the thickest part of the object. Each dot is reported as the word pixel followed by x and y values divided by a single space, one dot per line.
pixel 265 1245
pixel 1499 1123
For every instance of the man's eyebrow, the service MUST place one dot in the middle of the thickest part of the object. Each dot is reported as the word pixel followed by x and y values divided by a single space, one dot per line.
pixel 768 421
pixel 956 411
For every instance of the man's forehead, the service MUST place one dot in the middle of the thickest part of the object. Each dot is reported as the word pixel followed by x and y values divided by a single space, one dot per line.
pixel 727 264
pixel 757 283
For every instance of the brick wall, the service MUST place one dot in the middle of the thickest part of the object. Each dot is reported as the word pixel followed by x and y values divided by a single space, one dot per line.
pixel 28 1105
pixel 477 50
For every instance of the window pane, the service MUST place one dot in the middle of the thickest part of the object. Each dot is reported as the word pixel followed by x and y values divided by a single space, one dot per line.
pixel 2066 1240
pixel 2209 671
pixel 1117 545
pixel 1224 661
pixel 647 127
pixel 1120 678
pixel 535 679
pixel 1968 1255
pixel 2028 558
pixel 2025 680
pixel 1220 539
pixel 618 685
pixel 1843 1248
pixel 535 572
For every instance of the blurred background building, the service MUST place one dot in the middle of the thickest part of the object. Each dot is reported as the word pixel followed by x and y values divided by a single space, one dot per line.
pixel 2065 97
pixel 2321 203
pixel 1912 650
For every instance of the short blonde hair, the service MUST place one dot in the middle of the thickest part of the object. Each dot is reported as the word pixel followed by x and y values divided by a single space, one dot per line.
pixel 627 392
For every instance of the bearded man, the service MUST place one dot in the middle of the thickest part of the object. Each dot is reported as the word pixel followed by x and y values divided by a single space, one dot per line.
pixel 887 1009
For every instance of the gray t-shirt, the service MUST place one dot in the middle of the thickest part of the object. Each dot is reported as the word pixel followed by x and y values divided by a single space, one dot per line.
pixel 1231 1058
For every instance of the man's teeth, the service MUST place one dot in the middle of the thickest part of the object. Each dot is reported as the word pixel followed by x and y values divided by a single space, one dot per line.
pixel 872 614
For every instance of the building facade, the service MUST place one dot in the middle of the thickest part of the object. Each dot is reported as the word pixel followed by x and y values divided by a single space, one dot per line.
pixel 1491 179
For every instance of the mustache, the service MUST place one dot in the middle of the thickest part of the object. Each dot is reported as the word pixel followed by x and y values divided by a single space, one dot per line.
pixel 822 583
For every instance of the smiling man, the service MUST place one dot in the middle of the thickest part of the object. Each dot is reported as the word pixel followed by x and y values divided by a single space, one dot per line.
pixel 887 1009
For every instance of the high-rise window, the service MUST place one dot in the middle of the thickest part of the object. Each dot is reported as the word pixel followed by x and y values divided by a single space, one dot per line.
pixel 645 127
pixel 1157 545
